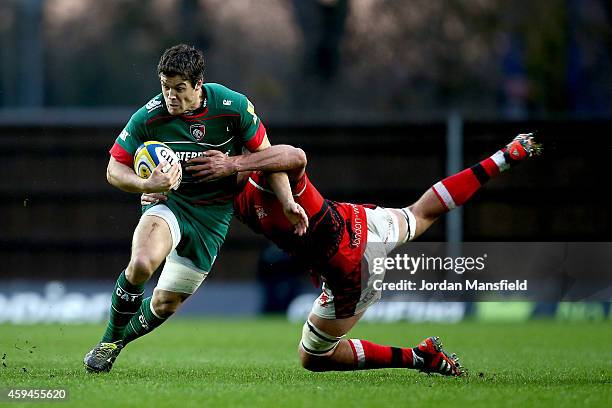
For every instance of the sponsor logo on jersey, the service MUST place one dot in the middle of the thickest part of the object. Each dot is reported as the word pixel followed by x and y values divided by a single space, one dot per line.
pixel 356 231
pixel 251 110
pixel 323 300
pixel 184 156
pixel 260 212
pixel 153 104
pixel 124 134
pixel 227 102
pixel 197 131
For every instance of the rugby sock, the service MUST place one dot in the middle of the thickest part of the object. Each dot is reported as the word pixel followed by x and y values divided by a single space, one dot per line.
pixel 142 323
pixel 369 355
pixel 125 301
pixel 455 190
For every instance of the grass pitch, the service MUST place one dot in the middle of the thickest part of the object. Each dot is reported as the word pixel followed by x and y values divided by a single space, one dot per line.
pixel 253 363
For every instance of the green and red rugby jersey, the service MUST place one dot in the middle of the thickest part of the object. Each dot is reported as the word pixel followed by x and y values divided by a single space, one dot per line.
pixel 227 122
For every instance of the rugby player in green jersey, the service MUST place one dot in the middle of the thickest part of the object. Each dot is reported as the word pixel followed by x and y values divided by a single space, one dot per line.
pixel 188 229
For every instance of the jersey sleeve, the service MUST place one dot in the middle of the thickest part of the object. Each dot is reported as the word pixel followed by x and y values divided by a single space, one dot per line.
pixel 252 131
pixel 130 138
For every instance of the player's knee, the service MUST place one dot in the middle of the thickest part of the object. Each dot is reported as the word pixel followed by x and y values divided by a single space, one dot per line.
pixel 310 362
pixel 140 268
pixel 165 303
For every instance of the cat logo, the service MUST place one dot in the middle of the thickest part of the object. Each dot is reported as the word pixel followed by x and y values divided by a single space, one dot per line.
pixel 227 102
pixel 197 131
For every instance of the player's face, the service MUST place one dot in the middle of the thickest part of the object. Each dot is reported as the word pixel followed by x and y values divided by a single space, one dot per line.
pixel 179 94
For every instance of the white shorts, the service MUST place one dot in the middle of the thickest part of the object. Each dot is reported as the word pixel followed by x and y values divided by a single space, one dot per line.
pixel 383 237
pixel 179 273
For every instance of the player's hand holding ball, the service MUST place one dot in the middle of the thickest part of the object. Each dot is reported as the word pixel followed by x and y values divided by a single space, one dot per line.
pixel 159 165
pixel 165 177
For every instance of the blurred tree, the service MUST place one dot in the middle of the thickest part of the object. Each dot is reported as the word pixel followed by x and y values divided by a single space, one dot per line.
pixel 7 53
pixel 30 53
pixel 322 23
pixel 589 84
pixel 195 27
pixel 21 69
pixel 394 56
pixel 544 27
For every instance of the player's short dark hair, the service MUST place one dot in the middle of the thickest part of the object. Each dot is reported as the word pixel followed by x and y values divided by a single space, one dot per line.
pixel 183 60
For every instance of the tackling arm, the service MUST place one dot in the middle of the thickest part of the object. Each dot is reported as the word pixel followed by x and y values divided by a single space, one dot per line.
pixel 279 182
pixel 274 164
pixel 275 158
pixel 214 164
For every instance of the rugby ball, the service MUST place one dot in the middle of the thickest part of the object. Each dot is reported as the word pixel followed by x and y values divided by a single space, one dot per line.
pixel 150 154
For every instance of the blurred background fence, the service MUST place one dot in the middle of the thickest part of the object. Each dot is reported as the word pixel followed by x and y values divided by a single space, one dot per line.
pixel 61 219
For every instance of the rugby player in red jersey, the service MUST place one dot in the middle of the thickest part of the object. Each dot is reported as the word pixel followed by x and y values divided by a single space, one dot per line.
pixel 334 247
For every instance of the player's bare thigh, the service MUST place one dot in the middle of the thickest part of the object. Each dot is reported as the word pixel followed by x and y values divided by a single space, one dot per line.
pixel 151 244
pixel 426 211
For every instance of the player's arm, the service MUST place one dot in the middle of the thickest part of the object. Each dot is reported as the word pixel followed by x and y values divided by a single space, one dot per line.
pixel 215 164
pixel 279 182
pixel 256 141
pixel 124 178
pixel 120 172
